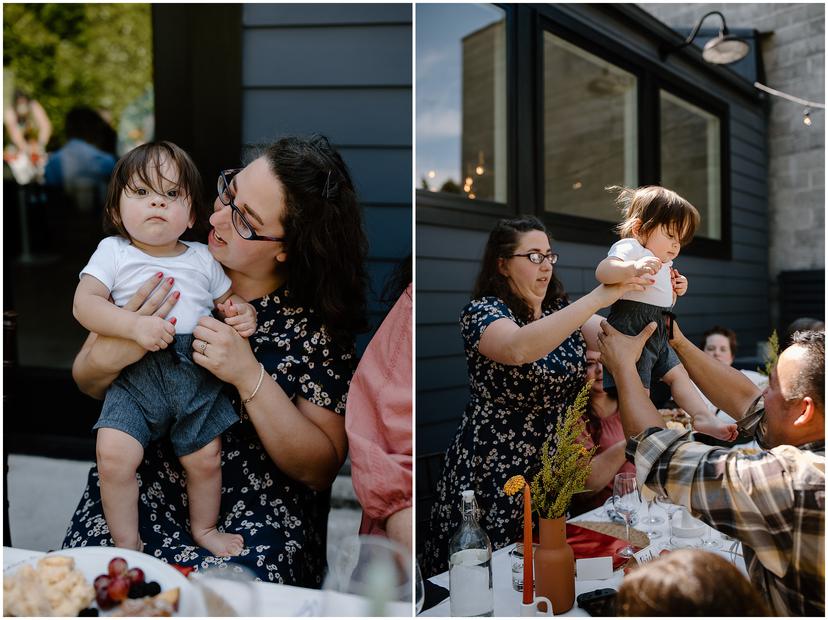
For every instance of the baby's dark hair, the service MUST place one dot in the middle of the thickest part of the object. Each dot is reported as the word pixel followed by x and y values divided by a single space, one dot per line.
pixel 143 164
pixel 655 206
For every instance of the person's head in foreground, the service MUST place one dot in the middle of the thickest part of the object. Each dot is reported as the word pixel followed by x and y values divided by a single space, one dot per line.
pixel 518 267
pixel 795 396
pixel 802 324
pixel 688 582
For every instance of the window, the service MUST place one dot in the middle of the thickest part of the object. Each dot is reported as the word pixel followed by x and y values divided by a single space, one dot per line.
pixel 461 101
pixel 691 159
pixel 590 113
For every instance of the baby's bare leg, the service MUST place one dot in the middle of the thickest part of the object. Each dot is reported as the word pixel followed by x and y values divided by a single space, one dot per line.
pixel 119 456
pixel 203 469
pixel 687 397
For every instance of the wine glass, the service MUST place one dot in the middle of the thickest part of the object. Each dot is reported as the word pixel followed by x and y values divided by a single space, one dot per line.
pixel 709 540
pixel 669 509
pixel 226 590
pixel 626 500
pixel 650 519
pixel 419 589
pixel 369 576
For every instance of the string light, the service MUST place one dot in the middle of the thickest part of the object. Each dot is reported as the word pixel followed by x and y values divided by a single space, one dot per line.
pixel 432 174
pixel 806 117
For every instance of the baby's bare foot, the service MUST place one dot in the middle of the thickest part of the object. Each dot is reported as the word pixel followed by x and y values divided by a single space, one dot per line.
pixel 219 543
pixel 713 426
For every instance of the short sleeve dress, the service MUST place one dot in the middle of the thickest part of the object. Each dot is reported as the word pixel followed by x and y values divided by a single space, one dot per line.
pixel 511 412
pixel 283 522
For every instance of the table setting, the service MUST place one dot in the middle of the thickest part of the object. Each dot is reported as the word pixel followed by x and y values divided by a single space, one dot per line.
pixel 508 599
pixel 367 577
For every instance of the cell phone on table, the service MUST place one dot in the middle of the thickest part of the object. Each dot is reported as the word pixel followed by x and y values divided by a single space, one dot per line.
pixel 598 602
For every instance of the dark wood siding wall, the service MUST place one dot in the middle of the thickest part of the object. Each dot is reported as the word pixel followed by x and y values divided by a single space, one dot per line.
pixel 343 71
pixel 729 292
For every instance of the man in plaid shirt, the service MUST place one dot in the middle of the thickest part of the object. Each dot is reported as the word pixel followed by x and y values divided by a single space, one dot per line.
pixel 773 501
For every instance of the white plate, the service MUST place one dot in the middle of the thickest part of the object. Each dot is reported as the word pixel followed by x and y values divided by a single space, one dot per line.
pixel 94 561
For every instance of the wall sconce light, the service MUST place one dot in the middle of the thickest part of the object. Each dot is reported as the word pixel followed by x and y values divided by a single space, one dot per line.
pixel 721 50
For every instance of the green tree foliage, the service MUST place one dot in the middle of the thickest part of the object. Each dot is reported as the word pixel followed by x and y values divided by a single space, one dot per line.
pixel 772 355
pixel 67 55
pixel 565 469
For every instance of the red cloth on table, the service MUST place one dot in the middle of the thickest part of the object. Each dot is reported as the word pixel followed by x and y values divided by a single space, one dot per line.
pixel 588 543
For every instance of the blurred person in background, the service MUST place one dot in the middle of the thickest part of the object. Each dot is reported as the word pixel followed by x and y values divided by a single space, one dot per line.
pixel 80 167
pixel 27 132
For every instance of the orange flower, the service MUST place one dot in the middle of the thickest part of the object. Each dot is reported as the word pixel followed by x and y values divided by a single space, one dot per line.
pixel 514 485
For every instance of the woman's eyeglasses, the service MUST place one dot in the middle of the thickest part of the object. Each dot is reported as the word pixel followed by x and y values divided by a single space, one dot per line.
pixel 240 223
pixel 538 258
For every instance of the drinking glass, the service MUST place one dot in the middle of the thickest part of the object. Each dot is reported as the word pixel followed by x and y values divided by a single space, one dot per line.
pixel 419 589
pixel 650 519
pixel 516 560
pixel 626 500
pixel 226 590
pixel 669 509
pixel 709 540
pixel 376 570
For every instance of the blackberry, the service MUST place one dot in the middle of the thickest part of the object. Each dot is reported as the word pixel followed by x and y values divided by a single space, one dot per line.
pixel 152 589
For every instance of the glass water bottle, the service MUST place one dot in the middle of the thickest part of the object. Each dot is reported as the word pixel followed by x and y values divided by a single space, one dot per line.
pixel 470 565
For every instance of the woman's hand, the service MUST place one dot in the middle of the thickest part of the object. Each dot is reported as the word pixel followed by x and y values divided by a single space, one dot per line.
pixel 219 348
pixel 102 358
pixel 608 294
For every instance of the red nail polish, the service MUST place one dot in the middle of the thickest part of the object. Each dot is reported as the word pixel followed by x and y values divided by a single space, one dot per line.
pixel 173 320
pixel 170 280
pixel 159 274
pixel 177 294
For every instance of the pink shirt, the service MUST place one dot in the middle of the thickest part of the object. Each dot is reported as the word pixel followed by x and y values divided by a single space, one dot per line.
pixel 378 420
pixel 611 433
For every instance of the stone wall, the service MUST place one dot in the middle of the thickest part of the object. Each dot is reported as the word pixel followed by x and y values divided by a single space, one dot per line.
pixel 793 52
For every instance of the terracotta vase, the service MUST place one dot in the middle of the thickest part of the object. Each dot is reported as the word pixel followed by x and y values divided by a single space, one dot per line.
pixel 555 566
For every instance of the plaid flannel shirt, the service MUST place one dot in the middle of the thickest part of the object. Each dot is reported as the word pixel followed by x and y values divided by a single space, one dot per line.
pixel 773 501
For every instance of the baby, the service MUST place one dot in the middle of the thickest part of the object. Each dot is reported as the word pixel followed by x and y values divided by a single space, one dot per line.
pixel 152 200
pixel 657 223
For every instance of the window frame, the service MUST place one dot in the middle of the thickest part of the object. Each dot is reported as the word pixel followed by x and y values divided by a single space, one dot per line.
pixel 525 27
pixel 452 209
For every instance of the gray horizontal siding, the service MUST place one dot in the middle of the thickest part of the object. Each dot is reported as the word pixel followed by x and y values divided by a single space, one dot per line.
pixel 342 70
pixel 728 292
pixel 283 15
pixel 323 56
pixel 361 117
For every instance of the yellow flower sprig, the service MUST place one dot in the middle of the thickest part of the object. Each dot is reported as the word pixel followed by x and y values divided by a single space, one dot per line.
pixel 564 469
pixel 773 354
pixel 514 485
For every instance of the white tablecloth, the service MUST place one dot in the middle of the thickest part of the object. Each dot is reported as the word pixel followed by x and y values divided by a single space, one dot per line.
pixel 507 600
pixel 274 599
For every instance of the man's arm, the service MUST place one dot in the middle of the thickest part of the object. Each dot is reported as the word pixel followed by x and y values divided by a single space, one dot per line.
pixel 619 353
pixel 724 386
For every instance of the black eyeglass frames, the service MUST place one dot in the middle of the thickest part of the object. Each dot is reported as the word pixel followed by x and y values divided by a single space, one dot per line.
pixel 538 258
pixel 240 222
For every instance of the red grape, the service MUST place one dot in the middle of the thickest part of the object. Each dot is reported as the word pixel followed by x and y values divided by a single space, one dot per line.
pixel 103 600
pixel 117 567
pixel 119 589
pixel 102 581
pixel 135 575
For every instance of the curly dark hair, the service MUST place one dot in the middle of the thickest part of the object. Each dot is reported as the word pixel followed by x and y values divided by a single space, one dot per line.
pixel 502 242
pixel 810 381
pixel 143 164
pixel 325 241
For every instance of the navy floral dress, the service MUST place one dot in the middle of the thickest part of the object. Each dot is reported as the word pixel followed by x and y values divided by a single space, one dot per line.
pixel 511 412
pixel 283 522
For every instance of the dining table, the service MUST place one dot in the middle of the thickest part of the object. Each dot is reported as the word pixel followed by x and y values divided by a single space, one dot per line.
pixel 272 599
pixel 507 601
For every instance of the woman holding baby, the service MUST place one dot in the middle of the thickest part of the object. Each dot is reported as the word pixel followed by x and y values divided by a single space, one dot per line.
pixel 287 229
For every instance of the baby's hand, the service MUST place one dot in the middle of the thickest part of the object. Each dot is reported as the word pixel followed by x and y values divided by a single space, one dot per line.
pixel 647 265
pixel 153 333
pixel 241 317
pixel 678 281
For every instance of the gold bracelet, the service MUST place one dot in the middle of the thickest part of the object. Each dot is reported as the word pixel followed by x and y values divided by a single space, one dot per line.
pixel 258 385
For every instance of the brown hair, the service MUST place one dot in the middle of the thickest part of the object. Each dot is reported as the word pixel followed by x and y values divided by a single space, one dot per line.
pixel 502 242
pixel 810 380
pixel 143 164
pixel 655 206
pixel 688 582
pixel 722 331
